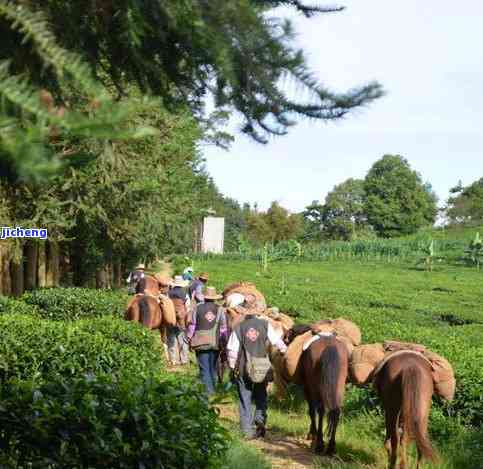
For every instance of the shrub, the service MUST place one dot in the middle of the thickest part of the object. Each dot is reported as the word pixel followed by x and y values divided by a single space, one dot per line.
pixel 10 305
pixel 30 346
pixel 98 421
pixel 75 303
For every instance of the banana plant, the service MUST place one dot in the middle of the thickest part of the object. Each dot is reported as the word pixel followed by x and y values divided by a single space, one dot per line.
pixel 429 256
pixel 475 251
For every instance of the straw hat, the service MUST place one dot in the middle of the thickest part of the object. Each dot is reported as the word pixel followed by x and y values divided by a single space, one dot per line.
pixel 203 276
pixel 211 294
pixel 179 281
pixel 140 267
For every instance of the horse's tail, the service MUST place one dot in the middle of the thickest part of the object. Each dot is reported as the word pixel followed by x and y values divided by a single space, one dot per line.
pixel 330 362
pixel 413 418
pixel 141 285
pixel 145 311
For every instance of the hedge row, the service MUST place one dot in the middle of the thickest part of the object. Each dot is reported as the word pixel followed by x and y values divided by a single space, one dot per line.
pixel 70 304
pixel 93 421
pixel 91 392
pixel 32 346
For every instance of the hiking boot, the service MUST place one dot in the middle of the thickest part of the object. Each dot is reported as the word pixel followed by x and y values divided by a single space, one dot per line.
pixel 261 430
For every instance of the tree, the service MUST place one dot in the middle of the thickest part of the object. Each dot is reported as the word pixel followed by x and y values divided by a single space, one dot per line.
pixel 343 212
pixel 397 201
pixel 274 225
pixel 466 206
pixel 237 51
pixel 312 219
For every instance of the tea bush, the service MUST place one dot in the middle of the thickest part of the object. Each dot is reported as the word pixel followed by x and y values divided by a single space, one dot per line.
pixel 68 304
pixel 99 421
pixel 32 346
pixel 10 305
pixel 388 302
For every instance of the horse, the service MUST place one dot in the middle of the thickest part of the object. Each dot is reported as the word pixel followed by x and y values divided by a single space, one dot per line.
pixel 405 386
pixel 149 286
pixel 324 370
pixel 146 310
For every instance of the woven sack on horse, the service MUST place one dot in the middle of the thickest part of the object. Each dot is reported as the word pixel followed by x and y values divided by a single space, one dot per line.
pixel 443 375
pixel 364 361
pixel 279 381
pixel 290 366
pixel 246 288
pixel 286 321
pixel 341 326
pixel 442 371
pixel 394 346
pixel 181 312
pixel 167 308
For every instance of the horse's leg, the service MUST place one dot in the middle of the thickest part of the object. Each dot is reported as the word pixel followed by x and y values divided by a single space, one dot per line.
pixel 319 447
pixel 392 429
pixel 333 417
pixel 403 443
pixel 313 428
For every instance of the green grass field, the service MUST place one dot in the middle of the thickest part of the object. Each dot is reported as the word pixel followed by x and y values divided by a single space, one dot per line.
pixel 441 309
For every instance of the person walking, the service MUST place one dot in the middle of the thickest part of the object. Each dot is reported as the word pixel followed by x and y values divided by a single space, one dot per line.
pixel 251 369
pixel 196 288
pixel 176 335
pixel 188 274
pixel 134 277
pixel 206 332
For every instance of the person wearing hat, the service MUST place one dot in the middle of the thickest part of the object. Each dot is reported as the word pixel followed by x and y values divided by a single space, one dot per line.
pixel 176 335
pixel 206 333
pixel 196 288
pixel 188 274
pixel 134 277
pixel 251 368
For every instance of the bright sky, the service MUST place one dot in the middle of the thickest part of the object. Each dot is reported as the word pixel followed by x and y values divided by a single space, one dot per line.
pixel 428 57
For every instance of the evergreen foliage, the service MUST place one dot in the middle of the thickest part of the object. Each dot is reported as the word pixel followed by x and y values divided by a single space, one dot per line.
pixel 397 201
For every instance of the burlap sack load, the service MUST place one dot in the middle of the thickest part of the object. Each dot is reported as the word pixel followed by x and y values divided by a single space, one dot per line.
pixel 246 288
pixel 368 359
pixel 290 369
pixel 363 362
pixel 341 326
pixel 277 317
pixel 168 311
pixel 443 376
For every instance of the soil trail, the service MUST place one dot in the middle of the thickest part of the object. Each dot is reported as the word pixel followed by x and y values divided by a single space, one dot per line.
pixel 283 452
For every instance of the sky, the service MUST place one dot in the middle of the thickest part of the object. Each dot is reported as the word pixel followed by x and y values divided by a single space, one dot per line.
pixel 429 59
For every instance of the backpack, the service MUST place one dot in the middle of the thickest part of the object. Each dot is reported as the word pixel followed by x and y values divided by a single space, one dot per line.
pixel 208 339
pixel 258 369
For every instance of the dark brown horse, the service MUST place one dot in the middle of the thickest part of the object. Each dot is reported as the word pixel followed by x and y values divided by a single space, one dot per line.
pixel 150 286
pixel 324 367
pixel 405 386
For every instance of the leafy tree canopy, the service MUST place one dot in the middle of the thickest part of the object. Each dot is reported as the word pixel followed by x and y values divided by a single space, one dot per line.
pixel 397 201
pixel 466 205
pixel 343 212
pixel 274 225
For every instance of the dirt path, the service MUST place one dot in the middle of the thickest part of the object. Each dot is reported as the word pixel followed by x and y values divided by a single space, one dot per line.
pixel 282 451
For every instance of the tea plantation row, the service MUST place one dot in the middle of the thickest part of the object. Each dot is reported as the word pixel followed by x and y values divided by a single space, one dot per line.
pixel 442 310
pixel 80 387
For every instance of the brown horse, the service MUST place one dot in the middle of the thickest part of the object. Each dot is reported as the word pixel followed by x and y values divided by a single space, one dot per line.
pixel 324 367
pixel 145 309
pixel 405 386
pixel 150 286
